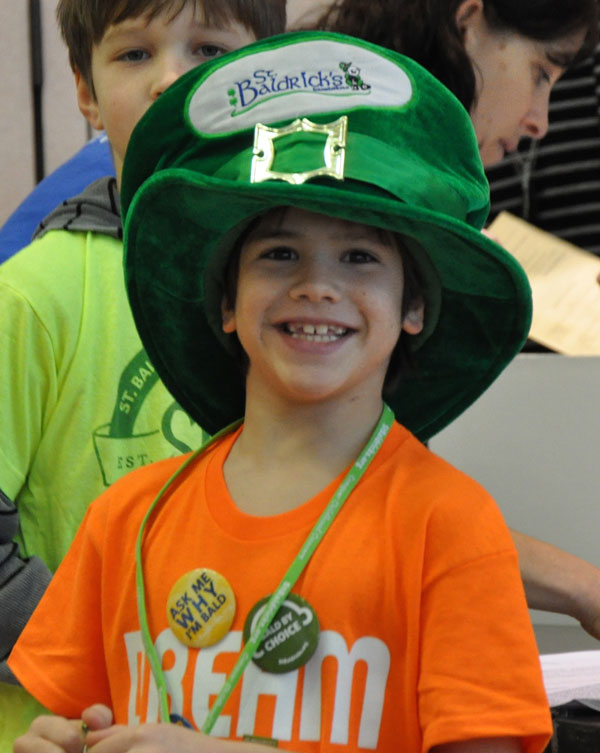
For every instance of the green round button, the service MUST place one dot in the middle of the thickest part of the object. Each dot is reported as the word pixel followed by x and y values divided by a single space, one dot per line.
pixel 291 638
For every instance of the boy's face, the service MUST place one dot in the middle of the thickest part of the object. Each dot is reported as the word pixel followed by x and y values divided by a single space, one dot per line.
pixel 318 306
pixel 135 61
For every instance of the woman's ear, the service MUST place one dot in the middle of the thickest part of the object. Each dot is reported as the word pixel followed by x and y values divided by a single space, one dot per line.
pixel 467 15
pixel 228 317
pixel 414 318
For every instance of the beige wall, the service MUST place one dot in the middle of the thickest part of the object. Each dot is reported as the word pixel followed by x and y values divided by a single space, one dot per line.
pixel 304 12
pixel 64 127
pixel 532 441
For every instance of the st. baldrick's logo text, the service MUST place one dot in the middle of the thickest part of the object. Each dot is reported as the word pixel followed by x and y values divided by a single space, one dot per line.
pixel 264 84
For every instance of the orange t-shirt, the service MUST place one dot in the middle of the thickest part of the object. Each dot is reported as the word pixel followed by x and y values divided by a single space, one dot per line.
pixel 425 635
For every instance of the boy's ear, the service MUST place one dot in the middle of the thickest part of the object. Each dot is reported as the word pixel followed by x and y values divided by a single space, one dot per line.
pixel 87 102
pixel 228 318
pixel 413 320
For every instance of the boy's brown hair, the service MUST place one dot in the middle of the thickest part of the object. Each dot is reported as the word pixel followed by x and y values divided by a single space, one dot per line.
pixel 83 23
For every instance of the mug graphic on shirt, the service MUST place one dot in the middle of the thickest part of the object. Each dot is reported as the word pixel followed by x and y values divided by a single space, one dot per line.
pixel 119 447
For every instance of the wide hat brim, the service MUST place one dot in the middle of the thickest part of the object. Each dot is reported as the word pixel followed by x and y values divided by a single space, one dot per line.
pixel 485 300
pixel 218 148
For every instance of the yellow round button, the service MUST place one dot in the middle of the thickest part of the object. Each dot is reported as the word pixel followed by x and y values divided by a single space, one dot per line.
pixel 201 608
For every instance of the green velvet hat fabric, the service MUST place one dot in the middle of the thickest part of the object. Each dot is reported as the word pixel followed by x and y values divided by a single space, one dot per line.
pixel 376 139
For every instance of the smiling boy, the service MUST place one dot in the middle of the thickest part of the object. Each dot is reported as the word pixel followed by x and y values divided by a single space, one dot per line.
pixel 318 311
pixel 322 240
pixel 80 403
pixel 296 261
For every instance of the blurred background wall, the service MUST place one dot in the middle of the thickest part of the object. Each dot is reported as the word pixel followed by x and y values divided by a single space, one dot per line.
pixel 63 128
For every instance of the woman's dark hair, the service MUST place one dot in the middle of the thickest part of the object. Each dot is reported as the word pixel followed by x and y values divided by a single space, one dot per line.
pixel 426 30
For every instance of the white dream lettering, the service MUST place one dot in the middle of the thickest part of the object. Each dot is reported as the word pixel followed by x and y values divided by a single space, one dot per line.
pixel 256 683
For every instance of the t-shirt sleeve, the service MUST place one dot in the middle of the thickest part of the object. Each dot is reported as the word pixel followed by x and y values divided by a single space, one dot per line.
pixel 480 673
pixel 41 294
pixel 66 629
pixel 29 386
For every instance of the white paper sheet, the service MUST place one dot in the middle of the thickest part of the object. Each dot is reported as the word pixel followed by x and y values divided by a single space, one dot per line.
pixel 566 294
pixel 572 676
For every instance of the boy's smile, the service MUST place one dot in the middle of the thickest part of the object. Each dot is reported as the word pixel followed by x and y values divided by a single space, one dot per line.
pixel 318 305
pixel 316 333
pixel 136 60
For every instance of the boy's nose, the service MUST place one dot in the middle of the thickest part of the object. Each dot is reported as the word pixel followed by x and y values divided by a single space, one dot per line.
pixel 168 72
pixel 315 284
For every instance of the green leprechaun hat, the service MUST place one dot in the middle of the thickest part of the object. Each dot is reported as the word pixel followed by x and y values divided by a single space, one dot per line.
pixel 331 124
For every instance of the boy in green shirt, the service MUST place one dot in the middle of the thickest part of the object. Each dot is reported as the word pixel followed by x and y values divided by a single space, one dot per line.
pixel 81 403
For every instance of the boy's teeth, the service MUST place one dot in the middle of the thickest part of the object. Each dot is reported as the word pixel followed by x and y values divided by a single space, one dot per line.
pixel 318 332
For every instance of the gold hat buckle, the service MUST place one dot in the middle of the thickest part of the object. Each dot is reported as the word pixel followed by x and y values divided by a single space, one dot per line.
pixel 334 152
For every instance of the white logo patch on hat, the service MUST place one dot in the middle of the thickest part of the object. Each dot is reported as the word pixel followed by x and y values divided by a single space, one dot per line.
pixel 307 77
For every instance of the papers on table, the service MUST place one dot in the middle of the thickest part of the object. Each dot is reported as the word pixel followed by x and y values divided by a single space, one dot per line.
pixel 572 676
pixel 563 279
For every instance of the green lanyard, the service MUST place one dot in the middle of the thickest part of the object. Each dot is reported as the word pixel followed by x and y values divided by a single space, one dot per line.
pixel 294 571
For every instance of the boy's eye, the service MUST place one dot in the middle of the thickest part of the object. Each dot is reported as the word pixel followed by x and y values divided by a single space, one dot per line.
pixel 280 253
pixel 134 56
pixel 210 51
pixel 358 256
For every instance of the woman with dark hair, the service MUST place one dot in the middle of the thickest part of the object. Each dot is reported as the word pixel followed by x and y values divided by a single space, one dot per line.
pixel 499 57
pixel 554 183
